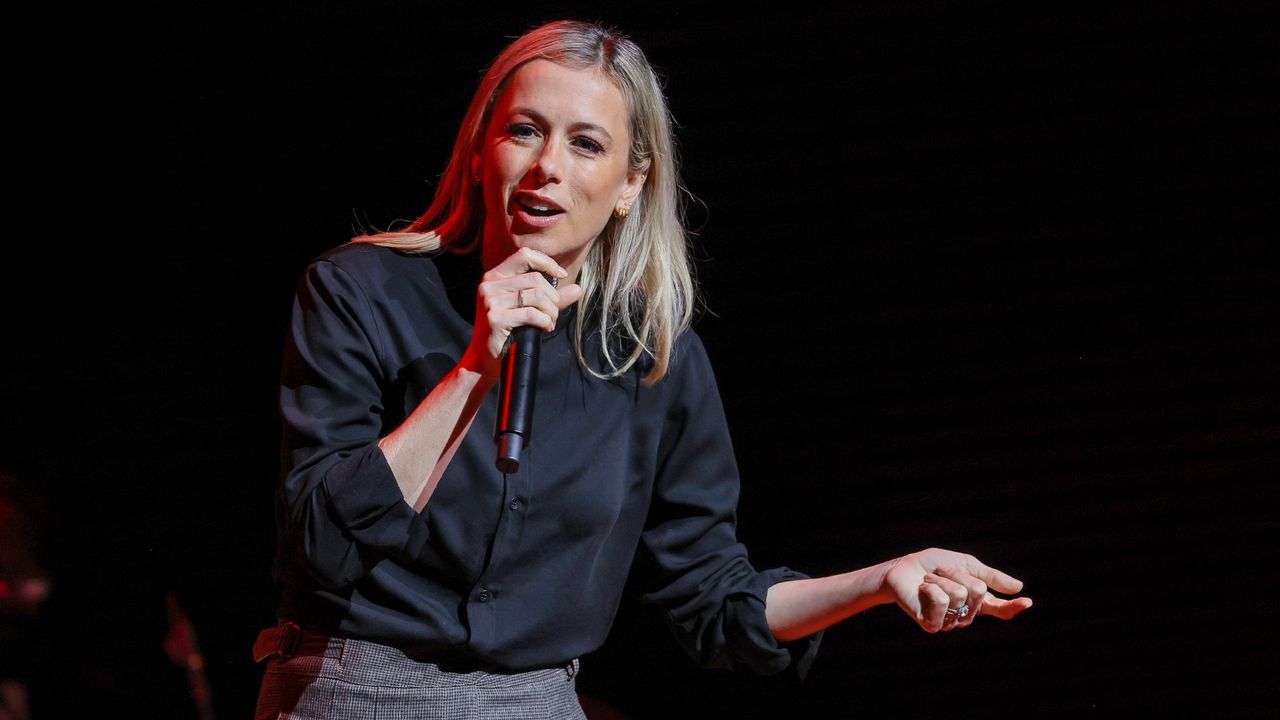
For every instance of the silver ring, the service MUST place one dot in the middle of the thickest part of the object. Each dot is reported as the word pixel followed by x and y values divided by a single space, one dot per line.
pixel 520 298
pixel 959 612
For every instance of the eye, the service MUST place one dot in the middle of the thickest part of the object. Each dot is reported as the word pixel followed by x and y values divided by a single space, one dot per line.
pixel 587 144
pixel 522 131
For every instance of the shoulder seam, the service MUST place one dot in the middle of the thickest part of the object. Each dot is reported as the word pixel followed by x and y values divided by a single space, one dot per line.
pixel 379 339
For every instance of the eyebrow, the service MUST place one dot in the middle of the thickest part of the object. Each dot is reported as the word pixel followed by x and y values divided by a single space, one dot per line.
pixel 540 118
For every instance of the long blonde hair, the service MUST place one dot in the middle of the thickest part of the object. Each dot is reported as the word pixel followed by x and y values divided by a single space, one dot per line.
pixel 637 274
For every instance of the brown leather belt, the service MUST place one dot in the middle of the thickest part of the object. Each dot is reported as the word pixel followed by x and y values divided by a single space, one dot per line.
pixel 284 641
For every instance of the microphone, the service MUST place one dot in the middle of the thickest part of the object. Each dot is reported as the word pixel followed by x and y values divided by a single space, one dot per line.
pixel 517 388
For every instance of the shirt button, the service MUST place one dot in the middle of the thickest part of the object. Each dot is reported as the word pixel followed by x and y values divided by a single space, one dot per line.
pixel 515 504
pixel 485 595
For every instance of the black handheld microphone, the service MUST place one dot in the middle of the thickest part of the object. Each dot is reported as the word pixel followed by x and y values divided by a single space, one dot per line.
pixel 516 390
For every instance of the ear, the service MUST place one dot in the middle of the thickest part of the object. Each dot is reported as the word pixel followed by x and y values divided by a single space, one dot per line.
pixel 631 190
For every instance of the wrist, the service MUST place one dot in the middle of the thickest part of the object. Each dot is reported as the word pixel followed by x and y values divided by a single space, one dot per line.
pixel 884 593
pixel 477 369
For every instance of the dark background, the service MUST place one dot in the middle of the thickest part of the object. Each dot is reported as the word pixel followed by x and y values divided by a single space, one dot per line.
pixel 997 276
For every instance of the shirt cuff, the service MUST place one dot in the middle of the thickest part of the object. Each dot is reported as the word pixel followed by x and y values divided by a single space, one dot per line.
pixel 751 642
pixel 367 502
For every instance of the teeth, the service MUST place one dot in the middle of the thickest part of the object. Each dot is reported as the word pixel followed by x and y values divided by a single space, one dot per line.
pixel 539 209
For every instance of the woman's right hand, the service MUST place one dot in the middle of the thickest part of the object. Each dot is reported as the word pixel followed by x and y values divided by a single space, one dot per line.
pixel 517 279
pixel 926 584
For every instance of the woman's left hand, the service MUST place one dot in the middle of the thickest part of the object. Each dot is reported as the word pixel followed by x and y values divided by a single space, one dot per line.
pixel 943 590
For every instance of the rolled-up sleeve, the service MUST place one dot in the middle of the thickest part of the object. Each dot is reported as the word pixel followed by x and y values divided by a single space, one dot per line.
pixel 713 598
pixel 339 507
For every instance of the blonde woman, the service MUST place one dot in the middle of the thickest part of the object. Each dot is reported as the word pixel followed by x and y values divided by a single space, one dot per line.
pixel 417 579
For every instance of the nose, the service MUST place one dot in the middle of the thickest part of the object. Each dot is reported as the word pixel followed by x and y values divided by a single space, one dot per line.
pixel 546 166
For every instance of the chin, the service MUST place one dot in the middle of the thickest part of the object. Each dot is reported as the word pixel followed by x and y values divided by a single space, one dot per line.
pixel 551 243
pixel 541 243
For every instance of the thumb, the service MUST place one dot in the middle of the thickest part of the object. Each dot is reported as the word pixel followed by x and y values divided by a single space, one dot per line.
pixel 1004 609
pixel 569 294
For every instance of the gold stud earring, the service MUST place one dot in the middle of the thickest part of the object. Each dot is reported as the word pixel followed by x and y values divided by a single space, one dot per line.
pixel 622 212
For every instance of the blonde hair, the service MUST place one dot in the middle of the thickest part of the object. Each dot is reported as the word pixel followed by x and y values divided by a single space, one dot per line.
pixel 636 278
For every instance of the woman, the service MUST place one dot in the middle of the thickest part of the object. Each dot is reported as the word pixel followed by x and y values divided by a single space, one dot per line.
pixel 418 579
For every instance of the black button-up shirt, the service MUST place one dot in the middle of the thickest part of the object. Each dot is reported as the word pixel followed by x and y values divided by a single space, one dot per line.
pixel 515 571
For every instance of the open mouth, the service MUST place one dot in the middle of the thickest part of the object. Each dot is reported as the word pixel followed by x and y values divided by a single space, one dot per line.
pixel 539 210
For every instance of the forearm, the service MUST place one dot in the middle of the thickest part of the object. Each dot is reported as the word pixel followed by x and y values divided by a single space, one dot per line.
pixel 798 608
pixel 420 449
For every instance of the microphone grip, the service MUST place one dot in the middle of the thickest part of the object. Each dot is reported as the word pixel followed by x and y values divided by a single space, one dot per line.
pixel 517 388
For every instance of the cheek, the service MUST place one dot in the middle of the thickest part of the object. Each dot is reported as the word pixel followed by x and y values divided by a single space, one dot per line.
pixel 501 175
pixel 493 200
pixel 600 187
pixel 505 165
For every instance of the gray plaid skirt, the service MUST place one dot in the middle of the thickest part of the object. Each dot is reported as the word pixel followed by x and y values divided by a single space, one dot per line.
pixel 341 679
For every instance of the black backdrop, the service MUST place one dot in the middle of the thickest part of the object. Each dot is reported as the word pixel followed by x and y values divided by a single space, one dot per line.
pixel 996 276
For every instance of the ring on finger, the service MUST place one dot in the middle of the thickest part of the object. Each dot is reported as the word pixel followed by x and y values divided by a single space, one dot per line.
pixel 520 298
pixel 959 612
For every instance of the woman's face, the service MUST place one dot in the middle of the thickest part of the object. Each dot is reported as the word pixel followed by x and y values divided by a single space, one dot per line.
pixel 554 163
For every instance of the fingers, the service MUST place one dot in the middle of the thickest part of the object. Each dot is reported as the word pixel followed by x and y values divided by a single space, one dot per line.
pixel 521 281
pixel 524 299
pixel 516 292
pixel 1005 609
pixel 934 602
pixel 996 579
pixel 533 293
pixel 569 294
pixel 964 580
pixel 532 290
pixel 975 591
pixel 525 260
pixel 519 300
pixel 958 597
